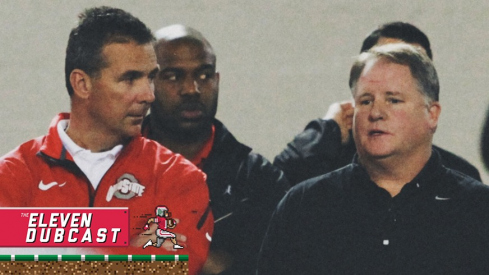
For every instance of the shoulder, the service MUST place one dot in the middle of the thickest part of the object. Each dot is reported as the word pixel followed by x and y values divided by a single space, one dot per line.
pixel 165 161
pixel 455 162
pixel 233 163
pixel 328 188
pixel 462 186
pixel 468 200
pixel 234 155
pixel 260 175
pixel 153 150
pixel 24 152
pixel 256 163
pixel 338 179
pixel 21 164
pixel 226 144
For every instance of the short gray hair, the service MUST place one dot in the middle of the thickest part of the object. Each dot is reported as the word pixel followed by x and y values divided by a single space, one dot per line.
pixel 420 65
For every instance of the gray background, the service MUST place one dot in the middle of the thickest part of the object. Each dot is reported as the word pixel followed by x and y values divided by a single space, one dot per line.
pixel 282 62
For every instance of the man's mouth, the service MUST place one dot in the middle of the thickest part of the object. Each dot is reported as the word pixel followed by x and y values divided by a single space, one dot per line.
pixel 192 110
pixel 376 132
pixel 191 113
pixel 138 114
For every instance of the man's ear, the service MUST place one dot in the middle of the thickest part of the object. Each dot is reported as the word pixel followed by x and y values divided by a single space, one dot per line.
pixel 81 83
pixel 218 77
pixel 434 111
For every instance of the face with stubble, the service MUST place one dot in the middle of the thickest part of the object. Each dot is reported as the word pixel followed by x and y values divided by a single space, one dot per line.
pixel 120 95
pixel 392 117
pixel 186 88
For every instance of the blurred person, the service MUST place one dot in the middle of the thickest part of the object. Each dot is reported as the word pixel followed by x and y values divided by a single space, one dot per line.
pixel 326 144
pixel 485 141
pixel 396 209
pixel 244 187
pixel 91 155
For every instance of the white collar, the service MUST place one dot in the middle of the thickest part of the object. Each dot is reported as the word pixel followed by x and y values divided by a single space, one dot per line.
pixel 75 149
pixel 93 165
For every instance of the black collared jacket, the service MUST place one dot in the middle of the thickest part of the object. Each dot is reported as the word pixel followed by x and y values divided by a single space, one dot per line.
pixel 343 223
pixel 244 189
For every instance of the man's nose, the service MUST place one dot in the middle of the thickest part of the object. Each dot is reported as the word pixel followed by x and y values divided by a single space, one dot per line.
pixel 377 112
pixel 190 86
pixel 148 92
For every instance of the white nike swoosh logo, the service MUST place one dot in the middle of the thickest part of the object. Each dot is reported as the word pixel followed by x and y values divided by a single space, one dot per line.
pixel 45 187
pixel 441 198
pixel 209 238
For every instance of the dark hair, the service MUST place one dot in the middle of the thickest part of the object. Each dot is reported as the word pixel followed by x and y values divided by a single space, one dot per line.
pixel 96 28
pixel 399 30
pixel 421 67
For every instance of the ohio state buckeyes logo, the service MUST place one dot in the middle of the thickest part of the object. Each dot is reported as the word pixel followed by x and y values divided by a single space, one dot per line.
pixel 127 186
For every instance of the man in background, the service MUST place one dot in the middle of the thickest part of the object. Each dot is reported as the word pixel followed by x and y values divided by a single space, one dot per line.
pixel 244 187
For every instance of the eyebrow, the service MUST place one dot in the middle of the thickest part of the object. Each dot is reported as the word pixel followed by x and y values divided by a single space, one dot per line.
pixel 133 74
pixel 207 66
pixel 364 94
pixel 179 69
pixel 153 73
pixel 389 93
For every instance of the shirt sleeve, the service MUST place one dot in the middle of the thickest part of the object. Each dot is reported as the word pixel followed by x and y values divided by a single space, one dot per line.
pixel 14 180
pixel 189 204
pixel 315 151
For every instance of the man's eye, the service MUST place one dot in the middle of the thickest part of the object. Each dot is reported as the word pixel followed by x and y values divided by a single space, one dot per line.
pixel 205 76
pixel 365 102
pixel 130 80
pixel 170 77
pixel 394 100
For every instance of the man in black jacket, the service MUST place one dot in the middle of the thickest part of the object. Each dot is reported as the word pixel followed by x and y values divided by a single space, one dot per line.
pixel 396 209
pixel 326 144
pixel 244 187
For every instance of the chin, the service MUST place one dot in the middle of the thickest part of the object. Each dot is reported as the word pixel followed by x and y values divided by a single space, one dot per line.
pixel 195 126
pixel 132 132
pixel 377 153
pixel 190 125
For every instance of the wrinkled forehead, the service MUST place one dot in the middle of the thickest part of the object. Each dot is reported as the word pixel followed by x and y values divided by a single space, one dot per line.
pixel 397 75
pixel 381 69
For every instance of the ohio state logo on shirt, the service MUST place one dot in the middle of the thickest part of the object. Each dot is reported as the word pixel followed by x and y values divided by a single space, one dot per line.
pixel 127 186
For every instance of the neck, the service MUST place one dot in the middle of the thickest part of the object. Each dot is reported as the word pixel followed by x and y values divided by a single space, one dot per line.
pixel 92 141
pixel 88 137
pixel 185 144
pixel 392 173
